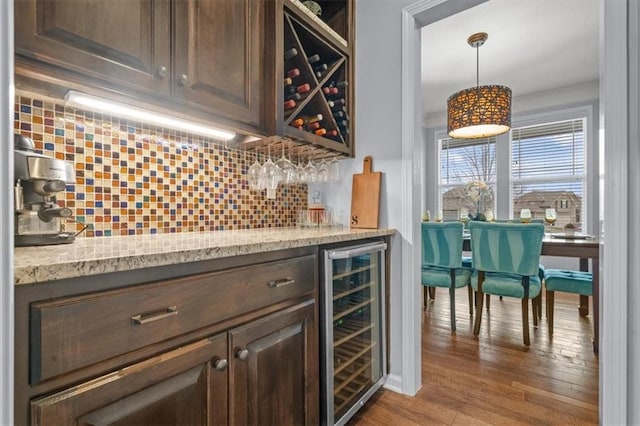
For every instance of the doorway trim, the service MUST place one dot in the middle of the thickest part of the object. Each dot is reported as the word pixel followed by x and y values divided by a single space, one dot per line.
pixel 613 379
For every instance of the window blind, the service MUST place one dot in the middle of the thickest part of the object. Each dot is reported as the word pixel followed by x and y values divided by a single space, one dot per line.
pixel 548 170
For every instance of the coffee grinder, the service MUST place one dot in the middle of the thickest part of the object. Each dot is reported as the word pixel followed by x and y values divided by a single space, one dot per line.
pixel 39 220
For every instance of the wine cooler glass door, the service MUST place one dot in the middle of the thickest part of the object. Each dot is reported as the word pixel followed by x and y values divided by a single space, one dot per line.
pixel 354 324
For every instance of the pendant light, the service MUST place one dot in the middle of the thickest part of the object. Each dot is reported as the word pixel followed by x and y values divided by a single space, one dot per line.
pixel 481 111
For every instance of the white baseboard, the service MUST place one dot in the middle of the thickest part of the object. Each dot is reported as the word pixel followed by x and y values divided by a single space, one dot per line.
pixel 394 384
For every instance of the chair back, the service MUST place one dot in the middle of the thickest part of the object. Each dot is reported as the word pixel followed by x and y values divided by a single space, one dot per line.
pixel 511 248
pixel 442 244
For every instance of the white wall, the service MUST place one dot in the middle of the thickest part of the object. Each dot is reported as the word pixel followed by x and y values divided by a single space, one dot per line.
pixel 6 213
pixel 633 332
pixel 378 129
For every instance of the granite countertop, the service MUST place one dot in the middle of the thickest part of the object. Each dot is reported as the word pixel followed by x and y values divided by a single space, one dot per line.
pixel 92 256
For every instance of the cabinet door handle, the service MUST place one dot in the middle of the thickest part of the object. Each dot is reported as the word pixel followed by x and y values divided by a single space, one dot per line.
pixel 281 282
pixel 242 354
pixel 183 80
pixel 162 71
pixel 221 364
pixel 141 319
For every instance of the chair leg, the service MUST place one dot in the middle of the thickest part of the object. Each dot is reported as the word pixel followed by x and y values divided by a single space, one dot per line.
pixel 540 305
pixel 425 295
pixel 470 290
pixel 488 301
pixel 534 308
pixel 479 300
pixel 550 301
pixel 452 302
pixel 432 293
pixel 525 321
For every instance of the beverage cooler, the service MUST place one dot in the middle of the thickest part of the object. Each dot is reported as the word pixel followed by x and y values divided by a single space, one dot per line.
pixel 353 362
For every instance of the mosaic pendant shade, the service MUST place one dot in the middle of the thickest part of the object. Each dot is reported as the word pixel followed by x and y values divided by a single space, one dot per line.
pixel 481 111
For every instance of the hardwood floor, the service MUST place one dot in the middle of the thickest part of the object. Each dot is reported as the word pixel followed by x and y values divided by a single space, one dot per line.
pixel 495 379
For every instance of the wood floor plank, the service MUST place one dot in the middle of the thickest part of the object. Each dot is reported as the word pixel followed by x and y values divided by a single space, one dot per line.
pixel 493 378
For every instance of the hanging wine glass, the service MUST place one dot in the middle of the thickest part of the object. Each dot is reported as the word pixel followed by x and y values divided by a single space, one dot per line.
pixel 323 172
pixel 334 169
pixel 287 168
pixel 310 172
pixel 253 175
pixel 300 174
pixel 269 174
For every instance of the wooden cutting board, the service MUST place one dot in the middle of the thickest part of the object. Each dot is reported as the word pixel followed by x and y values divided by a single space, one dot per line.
pixel 365 197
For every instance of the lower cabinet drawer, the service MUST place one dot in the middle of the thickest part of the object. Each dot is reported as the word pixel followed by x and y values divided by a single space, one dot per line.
pixel 75 332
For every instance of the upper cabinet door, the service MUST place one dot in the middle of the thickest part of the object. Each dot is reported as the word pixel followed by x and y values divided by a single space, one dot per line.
pixel 124 43
pixel 219 57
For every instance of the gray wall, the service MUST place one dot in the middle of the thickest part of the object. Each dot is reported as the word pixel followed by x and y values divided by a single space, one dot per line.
pixel 378 129
pixel 6 212
pixel 633 330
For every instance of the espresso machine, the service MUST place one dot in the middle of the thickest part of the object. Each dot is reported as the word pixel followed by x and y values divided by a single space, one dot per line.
pixel 39 220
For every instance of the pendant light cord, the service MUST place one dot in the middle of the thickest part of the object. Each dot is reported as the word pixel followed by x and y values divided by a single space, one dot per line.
pixel 478 66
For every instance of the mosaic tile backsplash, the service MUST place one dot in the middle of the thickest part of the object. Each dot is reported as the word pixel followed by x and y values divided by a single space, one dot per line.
pixel 136 179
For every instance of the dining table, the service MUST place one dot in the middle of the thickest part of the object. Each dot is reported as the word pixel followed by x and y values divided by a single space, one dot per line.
pixel 583 247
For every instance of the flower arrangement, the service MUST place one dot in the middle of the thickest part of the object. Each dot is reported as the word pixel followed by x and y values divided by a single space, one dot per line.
pixel 475 190
pixel 478 192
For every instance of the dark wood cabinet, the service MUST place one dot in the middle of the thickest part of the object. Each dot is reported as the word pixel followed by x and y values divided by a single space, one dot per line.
pixel 204 58
pixel 219 57
pixel 185 386
pixel 124 43
pixel 227 341
pixel 274 370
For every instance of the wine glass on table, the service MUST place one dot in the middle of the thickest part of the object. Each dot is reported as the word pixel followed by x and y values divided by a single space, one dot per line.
pixel 550 216
pixel 525 216
pixel 463 216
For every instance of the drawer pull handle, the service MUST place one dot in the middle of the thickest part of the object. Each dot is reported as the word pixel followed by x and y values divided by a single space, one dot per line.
pixel 242 354
pixel 281 283
pixel 144 319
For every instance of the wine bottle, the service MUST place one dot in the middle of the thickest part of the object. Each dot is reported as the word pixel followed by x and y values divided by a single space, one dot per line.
pixel 340 114
pixel 294 96
pixel 293 72
pixel 332 133
pixel 313 58
pixel 289 104
pixel 339 102
pixel 320 132
pixel 320 68
pixel 313 126
pixel 288 81
pixel 339 109
pixel 290 53
pixel 303 88
pixel 306 119
pixel 329 91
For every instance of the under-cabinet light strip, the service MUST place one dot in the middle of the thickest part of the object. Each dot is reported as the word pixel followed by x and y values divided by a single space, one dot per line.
pixel 105 106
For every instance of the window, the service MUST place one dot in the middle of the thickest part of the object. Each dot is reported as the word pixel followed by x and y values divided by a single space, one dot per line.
pixel 463 161
pixel 548 169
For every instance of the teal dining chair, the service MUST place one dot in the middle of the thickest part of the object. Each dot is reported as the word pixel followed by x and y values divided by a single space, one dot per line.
pixel 578 282
pixel 442 261
pixel 506 260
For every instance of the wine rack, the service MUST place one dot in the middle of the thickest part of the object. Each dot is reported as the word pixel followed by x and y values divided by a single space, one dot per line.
pixel 353 328
pixel 317 84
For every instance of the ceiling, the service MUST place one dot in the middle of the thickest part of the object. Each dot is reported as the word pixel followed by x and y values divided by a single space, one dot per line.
pixel 533 46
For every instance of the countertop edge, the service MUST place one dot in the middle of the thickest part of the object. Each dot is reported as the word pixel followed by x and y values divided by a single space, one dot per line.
pixel 27 269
